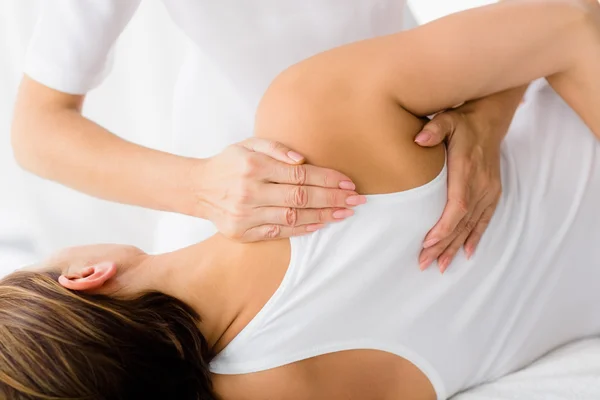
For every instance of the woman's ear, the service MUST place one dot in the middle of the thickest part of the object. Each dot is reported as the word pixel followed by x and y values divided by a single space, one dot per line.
pixel 89 278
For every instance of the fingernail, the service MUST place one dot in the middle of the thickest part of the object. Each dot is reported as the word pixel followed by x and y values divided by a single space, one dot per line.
pixel 430 243
pixel 343 214
pixel 469 252
pixel 423 137
pixel 356 200
pixel 443 264
pixel 347 185
pixel 295 156
pixel 314 228
pixel 424 264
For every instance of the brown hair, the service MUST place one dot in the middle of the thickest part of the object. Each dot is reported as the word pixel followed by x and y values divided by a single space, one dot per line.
pixel 56 345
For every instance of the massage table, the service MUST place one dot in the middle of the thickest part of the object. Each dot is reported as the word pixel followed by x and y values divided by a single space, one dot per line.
pixel 571 372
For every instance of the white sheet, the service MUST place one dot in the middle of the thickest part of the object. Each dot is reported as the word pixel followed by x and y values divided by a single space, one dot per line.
pixel 569 373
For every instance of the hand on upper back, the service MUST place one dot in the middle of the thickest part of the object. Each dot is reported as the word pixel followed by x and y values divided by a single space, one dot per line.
pixel 474 185
pixel 259 189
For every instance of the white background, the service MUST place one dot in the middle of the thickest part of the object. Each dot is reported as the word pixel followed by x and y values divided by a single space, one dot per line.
pixel 37 217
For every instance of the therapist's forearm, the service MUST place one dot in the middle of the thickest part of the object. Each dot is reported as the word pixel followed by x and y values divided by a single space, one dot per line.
pixel 494 114
pixel 59 144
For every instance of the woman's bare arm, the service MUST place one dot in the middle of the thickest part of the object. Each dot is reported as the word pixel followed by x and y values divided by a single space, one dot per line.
pixel 506 45
pixel 352 108
pixel 485 50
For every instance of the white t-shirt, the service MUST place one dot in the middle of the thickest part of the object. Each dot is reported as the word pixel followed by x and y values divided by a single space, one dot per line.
pixel 241 47
pixel 532 285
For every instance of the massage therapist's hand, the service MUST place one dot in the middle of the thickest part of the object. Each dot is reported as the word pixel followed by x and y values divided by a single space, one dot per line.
pixel 474 185
pixel 259 189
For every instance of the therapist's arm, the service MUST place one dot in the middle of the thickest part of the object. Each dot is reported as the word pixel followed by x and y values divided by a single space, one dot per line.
pixel 474 133
pixel 52 139
pixel 251 191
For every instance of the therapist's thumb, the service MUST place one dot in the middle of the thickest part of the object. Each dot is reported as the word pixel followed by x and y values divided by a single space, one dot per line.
pixel 436 130
pixel 273 149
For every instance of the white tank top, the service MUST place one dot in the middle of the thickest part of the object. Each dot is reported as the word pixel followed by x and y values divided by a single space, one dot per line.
pixel 533 284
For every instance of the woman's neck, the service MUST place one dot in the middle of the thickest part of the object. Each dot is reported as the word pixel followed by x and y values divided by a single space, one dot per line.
pixel 226 282
pixel 205 276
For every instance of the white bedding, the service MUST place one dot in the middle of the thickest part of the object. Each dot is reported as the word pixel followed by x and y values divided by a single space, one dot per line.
pixel 569 373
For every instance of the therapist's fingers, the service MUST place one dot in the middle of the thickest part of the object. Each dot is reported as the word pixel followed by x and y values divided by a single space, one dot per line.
pixel 431 254
pixel 272 149
pixel 281 195
pixel 293 217
pixel 457 206
pixel 436 130
pixel 463 231
pixel 273 232
pixel 282 165
pixel 475 236
pixel 310 175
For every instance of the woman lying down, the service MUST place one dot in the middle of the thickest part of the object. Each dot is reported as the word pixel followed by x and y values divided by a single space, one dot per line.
pixel 345 313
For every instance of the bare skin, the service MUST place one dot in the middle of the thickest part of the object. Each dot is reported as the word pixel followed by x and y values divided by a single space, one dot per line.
pixel 314 108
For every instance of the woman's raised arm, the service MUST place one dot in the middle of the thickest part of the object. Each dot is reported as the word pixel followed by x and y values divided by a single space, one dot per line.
pixel 498 47
pixel 478 52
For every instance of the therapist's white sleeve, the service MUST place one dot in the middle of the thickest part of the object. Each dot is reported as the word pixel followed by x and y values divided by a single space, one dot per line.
pixel 71 46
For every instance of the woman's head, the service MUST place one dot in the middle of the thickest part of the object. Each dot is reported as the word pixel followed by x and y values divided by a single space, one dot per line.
pixel 59 343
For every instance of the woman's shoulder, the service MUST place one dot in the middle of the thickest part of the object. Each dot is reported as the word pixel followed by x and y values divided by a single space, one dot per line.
pixel 342 121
